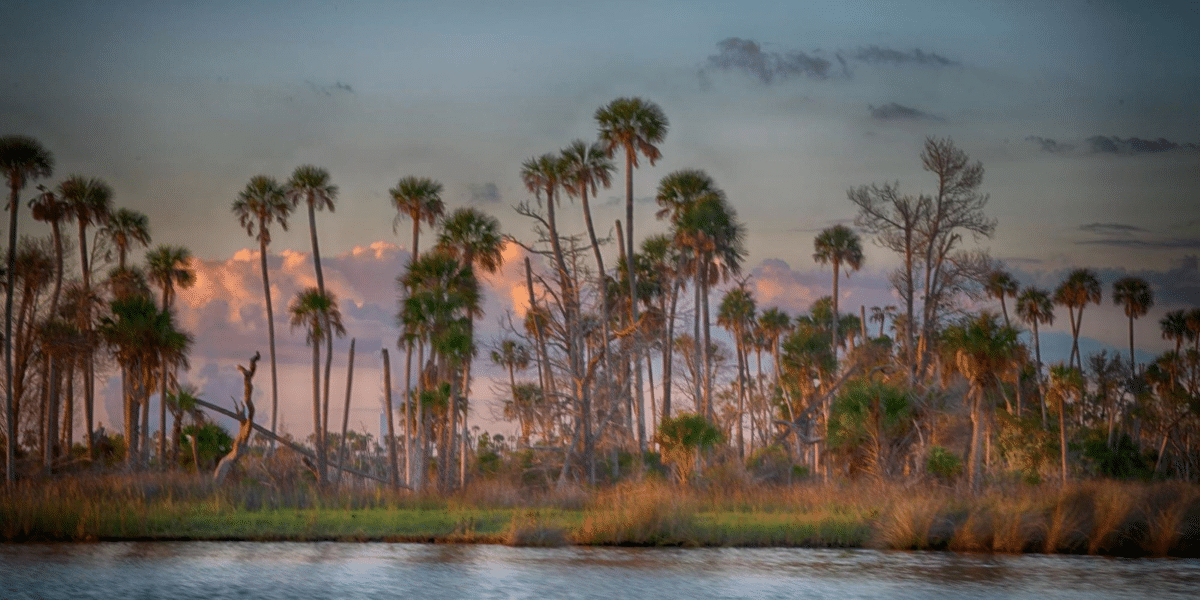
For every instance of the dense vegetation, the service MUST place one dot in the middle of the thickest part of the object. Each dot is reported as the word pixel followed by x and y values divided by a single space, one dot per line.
pixel 613 371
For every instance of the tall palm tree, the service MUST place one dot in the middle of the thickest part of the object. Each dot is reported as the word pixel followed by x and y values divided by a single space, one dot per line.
pixel 22 160
pixel 1065 382
pixel 736 314
pixel 1035 308
pixel 664 259
pixel 1000 285
pixel 124 228
pixel 514 356
pixel 636 126
pixel 89 202
pixel 168 267
pixel 419 199
pixel 473 238
pixel 261 203
pixel 706 224
pixel 839 246
pixel 1079 289
pixel 318 313
pixel 1135 296
pixel 311 185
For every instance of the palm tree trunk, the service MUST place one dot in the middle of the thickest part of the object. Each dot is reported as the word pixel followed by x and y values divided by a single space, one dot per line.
pixel 88 366
pixel 320 432
pixel 834 325
pixel 393 467
pixel 346 413
pixel 606 316
pixel 11 434
pixel 317 425
pixel 409 438
pixel 635 359
pixel 262 256
pixel 706 348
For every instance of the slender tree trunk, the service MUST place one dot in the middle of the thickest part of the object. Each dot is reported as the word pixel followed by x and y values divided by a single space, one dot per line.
pixel 322 456
pixel 393 467
pixel 667 348
pixel 1037 354
pixel 589 454
pixel 707 348
pixel 409 437
pixel 346 413
pixel 697 356
pixel 317 424
pixel 89 383
pixel 11 415
pixel 635 359
pixel 262 257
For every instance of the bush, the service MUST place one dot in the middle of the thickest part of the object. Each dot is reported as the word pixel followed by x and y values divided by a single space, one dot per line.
pixel 212 442
pixel 943 463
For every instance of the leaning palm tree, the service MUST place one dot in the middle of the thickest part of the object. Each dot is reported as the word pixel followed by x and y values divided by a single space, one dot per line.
pixel 1000 285
pixel 124 228
pixel 168 267
pixel 22 160
pixel 1136 297
pixel 635 126
pixel 311 185
pixel 89 202
pixel 1035 308
pixel 262 202
pixel 1080 289
pixel 839 246
pixel 318 313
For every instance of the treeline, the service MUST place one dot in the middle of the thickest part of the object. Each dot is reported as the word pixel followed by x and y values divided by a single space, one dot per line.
pixel 613 367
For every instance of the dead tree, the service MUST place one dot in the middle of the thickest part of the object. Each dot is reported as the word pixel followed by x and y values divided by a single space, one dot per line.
pixel 246 427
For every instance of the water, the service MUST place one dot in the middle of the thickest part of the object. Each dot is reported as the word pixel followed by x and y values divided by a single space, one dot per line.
pixel 185 570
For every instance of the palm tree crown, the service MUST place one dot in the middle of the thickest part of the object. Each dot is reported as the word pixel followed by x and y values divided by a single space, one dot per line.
pixel 419 199
pixel 261 203
pixel 125 227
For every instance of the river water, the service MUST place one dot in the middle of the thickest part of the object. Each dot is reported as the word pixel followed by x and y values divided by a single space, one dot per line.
pixel 212 570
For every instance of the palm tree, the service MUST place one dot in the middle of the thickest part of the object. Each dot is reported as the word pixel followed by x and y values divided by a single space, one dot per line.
pixel 1035 308
pixel 311 185
pixel 168 267
pixel 125 228
pixel 839 246
pixel 1000 285
pixel 262 202
pixel 1065 382
pixel 514 356
pixel 1174 327
pixel 22 159
pixel 665 260
pixel 89 201
pixel 736 314
pixel 982 351
pixel 318 313
pixel 635 126
pixel 774 323
pixel 474 239
pixel 419 199
pixel 1136 297
pixel 705 223
pixel 1079 289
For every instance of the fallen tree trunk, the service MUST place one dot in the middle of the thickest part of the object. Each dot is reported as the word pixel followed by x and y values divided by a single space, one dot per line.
pixel 301 450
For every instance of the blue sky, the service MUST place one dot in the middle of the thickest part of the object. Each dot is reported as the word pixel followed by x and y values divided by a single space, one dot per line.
pixel 1081 112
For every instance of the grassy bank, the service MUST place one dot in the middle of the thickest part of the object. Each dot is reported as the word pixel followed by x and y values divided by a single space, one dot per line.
pixel 1093 517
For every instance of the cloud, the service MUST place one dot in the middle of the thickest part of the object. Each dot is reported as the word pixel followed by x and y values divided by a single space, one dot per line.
pixel 486 193
pixel 1110 228
pixel 337 87
pixel 1050 145
pixel 899 112
pixel 747 56
pixel 1155 244
pixel 878 55
pixel 1134 145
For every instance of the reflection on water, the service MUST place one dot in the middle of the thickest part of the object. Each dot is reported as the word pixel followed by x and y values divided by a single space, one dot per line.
pixel 185 570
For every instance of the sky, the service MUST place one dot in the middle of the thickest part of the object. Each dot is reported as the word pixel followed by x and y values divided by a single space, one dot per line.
pixel 1085 116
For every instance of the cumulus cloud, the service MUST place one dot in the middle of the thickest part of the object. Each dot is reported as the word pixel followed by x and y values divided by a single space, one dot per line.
pixel 898 112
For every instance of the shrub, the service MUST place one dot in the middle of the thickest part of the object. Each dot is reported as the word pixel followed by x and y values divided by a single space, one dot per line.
pixel 943 463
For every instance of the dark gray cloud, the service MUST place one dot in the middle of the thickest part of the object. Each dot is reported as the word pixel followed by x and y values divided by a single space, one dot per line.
pixel 486 193
pixel 1150 244
pixel 889 56
pixel 737 54
pixel 747 56
pixel 1050 145
pixel 1135 145
pixel 336 87
pixel 898 112
pixel 1111 228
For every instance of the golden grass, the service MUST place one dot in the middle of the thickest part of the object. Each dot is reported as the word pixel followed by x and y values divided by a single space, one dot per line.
pixel 1095 517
